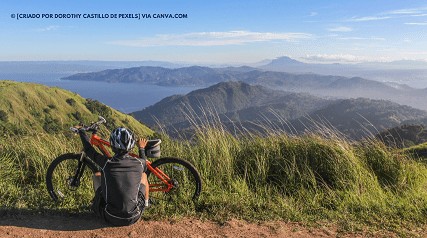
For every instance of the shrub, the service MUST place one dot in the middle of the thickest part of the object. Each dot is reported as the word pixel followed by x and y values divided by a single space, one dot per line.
pixel 3 116
pixel 98 108
pixel 51 106
pixel 51 125
pixel 77 115
pixel 71 101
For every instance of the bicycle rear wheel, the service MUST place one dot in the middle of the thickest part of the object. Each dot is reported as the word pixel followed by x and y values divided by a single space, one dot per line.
pixel 69 181
pixel 184 179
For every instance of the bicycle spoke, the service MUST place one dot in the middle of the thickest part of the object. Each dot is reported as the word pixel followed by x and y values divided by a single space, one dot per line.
pixel 182 178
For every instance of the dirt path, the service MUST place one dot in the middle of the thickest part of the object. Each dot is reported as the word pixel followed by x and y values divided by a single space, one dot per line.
pixel 88 226
pixel 33 226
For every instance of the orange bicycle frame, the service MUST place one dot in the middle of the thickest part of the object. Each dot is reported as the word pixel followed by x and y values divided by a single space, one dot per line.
pixel 166 186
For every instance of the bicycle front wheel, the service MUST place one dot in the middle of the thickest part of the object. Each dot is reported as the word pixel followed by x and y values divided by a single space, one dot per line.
pixel 183 179
pixel 70 181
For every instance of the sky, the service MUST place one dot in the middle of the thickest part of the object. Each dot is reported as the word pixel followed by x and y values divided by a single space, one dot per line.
pixel 220 31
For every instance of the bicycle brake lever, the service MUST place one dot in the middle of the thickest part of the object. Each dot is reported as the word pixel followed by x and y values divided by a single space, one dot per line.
pixel 101 120
pixel 73 129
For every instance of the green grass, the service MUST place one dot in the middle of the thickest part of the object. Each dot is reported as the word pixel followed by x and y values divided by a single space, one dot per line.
pixel 307 178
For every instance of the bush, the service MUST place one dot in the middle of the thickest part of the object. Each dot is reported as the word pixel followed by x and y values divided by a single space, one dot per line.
pixel 297 164
pixel 51 125
pixel 98 108
pixel 3 116
pixel 77 116
pixel 71 101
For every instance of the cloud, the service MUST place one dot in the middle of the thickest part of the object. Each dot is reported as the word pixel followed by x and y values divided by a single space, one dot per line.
pixel 312 14
pixel 416 23
pixel 48 28
pixel 368 18
pixel 361 38
pixel 334 58
pixel 340 29
pixel 212 38
pixel 405 12
pixel 408 11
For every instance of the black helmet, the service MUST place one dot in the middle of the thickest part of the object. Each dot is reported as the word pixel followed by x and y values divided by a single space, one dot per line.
pixel 121 139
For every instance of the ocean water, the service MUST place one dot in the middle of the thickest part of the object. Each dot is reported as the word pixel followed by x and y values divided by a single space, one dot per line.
pixel 125 97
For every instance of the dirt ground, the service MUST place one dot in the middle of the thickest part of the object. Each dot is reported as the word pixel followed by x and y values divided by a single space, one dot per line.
pixel 88 226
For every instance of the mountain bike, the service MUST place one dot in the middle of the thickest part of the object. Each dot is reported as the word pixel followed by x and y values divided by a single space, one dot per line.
pixel 172 181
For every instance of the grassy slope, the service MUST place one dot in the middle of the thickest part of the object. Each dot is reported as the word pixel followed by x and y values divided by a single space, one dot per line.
pixel 310 179
pixel 30 107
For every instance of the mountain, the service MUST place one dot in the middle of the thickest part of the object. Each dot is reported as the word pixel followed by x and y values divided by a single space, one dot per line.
pixel 236 101
pixel 284 61
pixel 202 76
pixel 409 72
pixel 362 117
pixel 281 63
pixel 31 71
pixel 318 85
pixel 251 107
pixel 194 75
pixel 289 65
pixel 28 108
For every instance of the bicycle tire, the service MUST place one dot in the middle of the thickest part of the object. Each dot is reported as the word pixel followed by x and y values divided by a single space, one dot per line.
pixel 58 176
pixel 183 173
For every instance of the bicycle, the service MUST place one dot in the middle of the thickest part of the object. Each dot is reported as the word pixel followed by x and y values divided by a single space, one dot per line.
pixel 171 180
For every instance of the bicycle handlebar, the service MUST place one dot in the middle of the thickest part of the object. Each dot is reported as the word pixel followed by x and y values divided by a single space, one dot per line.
pixel 93 127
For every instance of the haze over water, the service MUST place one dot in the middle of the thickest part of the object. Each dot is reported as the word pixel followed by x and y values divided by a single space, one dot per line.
pixel 125 97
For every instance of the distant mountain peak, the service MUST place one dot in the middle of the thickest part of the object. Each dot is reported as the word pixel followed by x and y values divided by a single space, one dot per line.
pixel 285 60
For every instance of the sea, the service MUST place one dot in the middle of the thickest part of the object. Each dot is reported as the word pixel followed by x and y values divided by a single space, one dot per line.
pixel 125 97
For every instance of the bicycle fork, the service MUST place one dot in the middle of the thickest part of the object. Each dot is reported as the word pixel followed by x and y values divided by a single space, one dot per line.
pixel 96 177
pixel 74 181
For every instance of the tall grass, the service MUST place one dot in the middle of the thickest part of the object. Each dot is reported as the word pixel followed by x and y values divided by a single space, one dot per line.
pixel 307 178
pixel 312 177
pixel 23 164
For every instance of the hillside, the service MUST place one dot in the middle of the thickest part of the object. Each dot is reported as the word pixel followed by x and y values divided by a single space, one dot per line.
pixel 364 117
pixel 254 106
pixel 236 101
pixel 27 109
